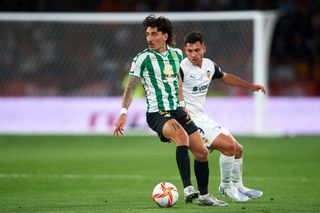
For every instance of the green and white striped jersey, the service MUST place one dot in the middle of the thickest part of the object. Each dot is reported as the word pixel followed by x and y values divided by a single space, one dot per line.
pixel 159 75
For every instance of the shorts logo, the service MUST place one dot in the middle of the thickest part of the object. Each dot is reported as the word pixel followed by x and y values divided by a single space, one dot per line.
pixel 205 141
pixel 188 119
pixel 165 114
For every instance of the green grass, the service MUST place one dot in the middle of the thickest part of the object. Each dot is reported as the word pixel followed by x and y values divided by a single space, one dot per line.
pixel 109 174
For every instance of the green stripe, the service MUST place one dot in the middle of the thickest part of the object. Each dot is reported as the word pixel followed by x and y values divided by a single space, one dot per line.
pixel 165 84
pixel 175 66
pixel 142 67
pixel 153 80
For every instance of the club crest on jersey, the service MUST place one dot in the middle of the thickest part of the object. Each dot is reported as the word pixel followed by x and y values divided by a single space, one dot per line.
pixel 168 73
pixel 209 74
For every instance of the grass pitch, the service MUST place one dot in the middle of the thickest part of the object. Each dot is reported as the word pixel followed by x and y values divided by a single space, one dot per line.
pixel 109 174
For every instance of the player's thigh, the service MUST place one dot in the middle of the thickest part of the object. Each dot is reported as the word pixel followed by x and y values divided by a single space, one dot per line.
pixel 185 121
pixel 216 137
pixel 199 151
pixel 175 132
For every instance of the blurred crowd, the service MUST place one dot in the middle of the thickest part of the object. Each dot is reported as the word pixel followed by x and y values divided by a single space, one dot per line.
pixel 295 52
pixel 136 5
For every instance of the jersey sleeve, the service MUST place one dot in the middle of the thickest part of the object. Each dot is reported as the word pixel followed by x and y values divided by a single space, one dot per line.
pixel 180 54
pixel 217 72
pixel 135 66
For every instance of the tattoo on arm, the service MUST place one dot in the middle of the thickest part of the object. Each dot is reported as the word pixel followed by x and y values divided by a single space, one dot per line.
pixel 128 93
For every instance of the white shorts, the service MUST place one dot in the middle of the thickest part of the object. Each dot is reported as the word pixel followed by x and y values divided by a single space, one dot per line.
pixel 209 129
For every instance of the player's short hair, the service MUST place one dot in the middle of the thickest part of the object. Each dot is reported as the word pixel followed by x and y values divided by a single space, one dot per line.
pixel 193 37
pixel 163 24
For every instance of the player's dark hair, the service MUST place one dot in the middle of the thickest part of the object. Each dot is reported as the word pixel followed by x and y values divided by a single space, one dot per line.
pixel 193 37
pixel 163 24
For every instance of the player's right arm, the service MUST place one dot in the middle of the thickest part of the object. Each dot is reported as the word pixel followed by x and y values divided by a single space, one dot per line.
pixel 126 101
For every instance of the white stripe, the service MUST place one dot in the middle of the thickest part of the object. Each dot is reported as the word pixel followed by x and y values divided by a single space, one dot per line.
pixel 81 176
pixel 139 177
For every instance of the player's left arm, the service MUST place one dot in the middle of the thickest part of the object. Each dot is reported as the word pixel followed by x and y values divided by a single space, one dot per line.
pixel 238 82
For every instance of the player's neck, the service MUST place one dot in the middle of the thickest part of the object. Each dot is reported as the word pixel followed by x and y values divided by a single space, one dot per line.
pixel 162 49
pixel 197 64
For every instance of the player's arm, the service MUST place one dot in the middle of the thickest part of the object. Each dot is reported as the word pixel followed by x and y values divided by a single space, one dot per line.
pixel 233 80
pixel 126 101
pixel 182 103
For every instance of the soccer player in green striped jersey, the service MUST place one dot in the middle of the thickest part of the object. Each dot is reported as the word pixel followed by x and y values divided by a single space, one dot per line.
pixel 157 67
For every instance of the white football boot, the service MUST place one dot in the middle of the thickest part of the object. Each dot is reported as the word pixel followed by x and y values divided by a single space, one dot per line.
pixel 251 193
pixel 190 193
pixel 233 193
pixel 210 200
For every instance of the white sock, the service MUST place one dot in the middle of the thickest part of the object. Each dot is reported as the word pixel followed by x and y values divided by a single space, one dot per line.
pixel 226 166
pixel 237 173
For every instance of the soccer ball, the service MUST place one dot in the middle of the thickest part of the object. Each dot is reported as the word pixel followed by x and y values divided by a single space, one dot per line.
pixel 165 194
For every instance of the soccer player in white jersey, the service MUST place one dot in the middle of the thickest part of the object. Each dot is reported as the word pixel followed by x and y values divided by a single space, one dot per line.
pixel 157 67
pixel 197 72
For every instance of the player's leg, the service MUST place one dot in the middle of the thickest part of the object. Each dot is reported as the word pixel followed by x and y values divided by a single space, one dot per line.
pixel 237 174
pixel 173 131
pixel 169 129
pixel 201 169
pixel 184 120
pixel 201 166
pixel 226 145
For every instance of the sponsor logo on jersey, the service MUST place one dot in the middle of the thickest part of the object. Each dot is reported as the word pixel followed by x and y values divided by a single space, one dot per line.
pixel 174 55
pixel 200 89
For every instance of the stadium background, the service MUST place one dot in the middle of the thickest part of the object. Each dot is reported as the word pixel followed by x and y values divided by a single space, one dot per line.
pixel 99 173
pixel 294 61
pixel 52 71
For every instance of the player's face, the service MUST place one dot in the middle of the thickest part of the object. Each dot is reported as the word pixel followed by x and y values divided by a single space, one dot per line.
pixel 156 39
pixel 195 52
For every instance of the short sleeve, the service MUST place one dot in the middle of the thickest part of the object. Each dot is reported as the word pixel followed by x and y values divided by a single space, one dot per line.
pixel 135 67
pixel 217 72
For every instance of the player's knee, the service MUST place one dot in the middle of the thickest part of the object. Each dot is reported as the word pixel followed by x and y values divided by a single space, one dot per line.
pixel 229 148
pixel 182 137
pixel 202 155
pixel 238 150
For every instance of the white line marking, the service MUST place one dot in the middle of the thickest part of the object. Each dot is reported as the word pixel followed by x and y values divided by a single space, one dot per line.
pixel 136 177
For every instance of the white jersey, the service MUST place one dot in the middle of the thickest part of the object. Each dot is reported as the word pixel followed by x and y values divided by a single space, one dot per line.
pixel 195 83
pixel 159 75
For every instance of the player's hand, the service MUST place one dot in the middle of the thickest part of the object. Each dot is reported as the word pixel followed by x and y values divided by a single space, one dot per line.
pixel 186 111
pixel 256 88
pixel 118 130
